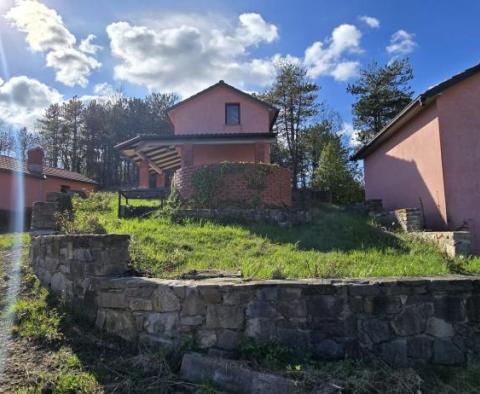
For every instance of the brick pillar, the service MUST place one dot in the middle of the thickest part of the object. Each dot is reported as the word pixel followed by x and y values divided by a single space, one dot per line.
pixel 260 152
pixel 143 175
pixel 187 155
pixel 160 180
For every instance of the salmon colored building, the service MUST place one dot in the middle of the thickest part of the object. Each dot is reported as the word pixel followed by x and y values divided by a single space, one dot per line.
pixel 428 157
pixel 218 124
pixel 38 180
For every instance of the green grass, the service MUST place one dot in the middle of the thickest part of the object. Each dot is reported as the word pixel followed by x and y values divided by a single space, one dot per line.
pixel 337 244
pixel 53 352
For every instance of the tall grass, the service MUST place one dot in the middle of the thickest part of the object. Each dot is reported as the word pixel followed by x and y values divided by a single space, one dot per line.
pixel 337 244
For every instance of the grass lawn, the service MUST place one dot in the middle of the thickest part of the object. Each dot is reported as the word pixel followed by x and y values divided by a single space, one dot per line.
pixel 337 244
pixel 52 352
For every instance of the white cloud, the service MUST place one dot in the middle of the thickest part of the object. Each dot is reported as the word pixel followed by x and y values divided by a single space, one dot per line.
pixel 191 54
pixel 23 100
pixel 88 46
pixel 46 32
pixel 346 70
pixel 401 43
pixel 327 58
pixel 350 136
pixel 1 81
pixel 371 21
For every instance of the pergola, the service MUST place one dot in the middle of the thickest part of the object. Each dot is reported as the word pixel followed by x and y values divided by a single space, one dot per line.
pixel 159 153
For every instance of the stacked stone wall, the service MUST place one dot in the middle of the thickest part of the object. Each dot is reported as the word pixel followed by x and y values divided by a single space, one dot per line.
pixel 401 321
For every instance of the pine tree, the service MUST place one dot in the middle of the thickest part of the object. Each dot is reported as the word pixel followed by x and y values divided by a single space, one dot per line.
pixel 382 92
pixel 295 95
pixel 50 127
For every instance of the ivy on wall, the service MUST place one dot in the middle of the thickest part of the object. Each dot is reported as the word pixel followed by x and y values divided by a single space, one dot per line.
pixel 209 180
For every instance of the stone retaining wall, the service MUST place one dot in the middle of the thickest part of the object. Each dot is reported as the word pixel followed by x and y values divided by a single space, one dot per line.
pixel 282 217
pixel 453 243
pixel 403 322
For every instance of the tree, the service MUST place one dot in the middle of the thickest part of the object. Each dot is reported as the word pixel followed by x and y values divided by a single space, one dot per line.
pixel 382 92
pixel 295 95
pixel 316 137
pixel 337 175
pixel 50 126
pixel 71 114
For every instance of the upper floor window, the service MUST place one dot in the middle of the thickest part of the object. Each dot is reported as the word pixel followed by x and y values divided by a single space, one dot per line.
pixel 232 114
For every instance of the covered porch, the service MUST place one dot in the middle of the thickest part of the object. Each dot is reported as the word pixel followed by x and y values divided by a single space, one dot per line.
pixel 158 157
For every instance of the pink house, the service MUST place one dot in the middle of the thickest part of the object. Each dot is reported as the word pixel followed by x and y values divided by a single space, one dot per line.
pixel 38 180
pixel 428 157
pixel 218 124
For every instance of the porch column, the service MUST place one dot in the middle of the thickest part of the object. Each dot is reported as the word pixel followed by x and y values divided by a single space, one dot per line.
pixel 260 152
pixel 187 155
pixel 143 175
pixel 160 180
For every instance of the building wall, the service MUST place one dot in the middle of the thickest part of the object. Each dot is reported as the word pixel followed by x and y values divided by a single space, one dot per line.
pixel 406 171
pixel 238 186
pixel 459 118
pixel 35 189
pixel 206 114
pixel 211 154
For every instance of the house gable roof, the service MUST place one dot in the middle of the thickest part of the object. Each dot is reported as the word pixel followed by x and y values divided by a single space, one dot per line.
pixel 222 83
pixel 412 109
pixel 11 164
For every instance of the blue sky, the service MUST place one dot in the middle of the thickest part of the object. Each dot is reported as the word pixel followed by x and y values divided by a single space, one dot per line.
pixel 183 46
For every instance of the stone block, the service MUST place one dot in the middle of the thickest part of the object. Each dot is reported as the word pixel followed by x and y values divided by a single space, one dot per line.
pixel 267 293
pixel 446 353
pixel 394 353
pixel 236 296
pixel 261 329
pixel 192 320
pixel 120 323
pixel 205 338
pixel 419 347
pixel 112 300
pixel 228 339
pixel 377 330
pixel 234 377
pixel 225 316
pixel 160 323
pixel 449 308
pixel 261 309
pixel 140 304
pixel 165 300
pixel 211 295
pixel 412 320
pixel 439 328
pixel 325 306
pixel 473 308
pixel 292 309
pixel 193 304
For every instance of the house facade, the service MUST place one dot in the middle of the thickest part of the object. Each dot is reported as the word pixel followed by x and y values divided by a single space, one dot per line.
pixel 38 180
pixel 219 124
pixel 428 157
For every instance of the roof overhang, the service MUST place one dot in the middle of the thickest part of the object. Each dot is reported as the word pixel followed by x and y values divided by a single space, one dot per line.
pixel 161 151
pixel 411 110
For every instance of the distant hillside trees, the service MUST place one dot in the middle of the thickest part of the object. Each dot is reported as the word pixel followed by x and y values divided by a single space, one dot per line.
pixel 26 140
pixel 381 92
pixel 80 136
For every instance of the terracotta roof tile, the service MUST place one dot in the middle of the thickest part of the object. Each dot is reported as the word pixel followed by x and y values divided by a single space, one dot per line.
pixel 11 164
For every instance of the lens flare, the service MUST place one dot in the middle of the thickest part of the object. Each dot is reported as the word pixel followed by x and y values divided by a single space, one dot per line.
pixel 15 257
